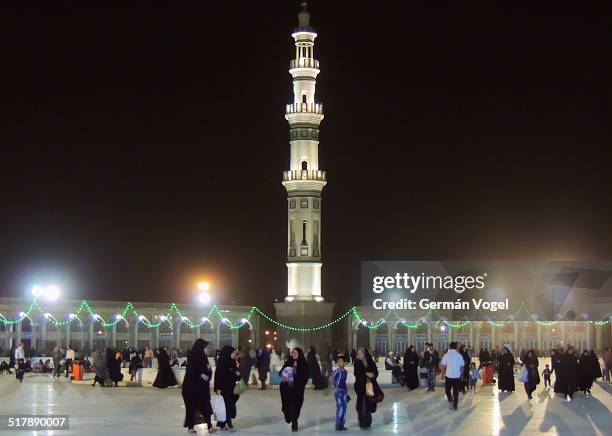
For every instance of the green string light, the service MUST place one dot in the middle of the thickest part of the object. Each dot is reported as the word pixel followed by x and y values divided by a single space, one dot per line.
pixel 245 321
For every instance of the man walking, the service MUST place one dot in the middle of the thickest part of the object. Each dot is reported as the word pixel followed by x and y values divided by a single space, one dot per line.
pixel 326 362
pixel 452 367
pixel 263 366
pixel 432 359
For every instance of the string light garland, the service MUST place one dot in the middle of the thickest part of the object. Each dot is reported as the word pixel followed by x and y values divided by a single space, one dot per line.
pixel 254 310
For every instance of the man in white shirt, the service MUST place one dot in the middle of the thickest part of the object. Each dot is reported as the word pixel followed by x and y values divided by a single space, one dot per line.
pixel 452 368
pixel 69 359
pixel 19 353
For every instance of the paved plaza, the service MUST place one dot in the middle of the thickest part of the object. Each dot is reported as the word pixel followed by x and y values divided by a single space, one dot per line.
pixel 141 410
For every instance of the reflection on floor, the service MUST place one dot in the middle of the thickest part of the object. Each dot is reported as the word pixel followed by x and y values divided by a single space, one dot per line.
pixel 131 411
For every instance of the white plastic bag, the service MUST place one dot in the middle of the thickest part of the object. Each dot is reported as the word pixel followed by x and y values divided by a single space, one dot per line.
pixel 218 405
pixel 524 375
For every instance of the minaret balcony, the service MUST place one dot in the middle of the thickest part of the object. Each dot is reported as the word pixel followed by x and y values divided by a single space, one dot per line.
pixel 304 63
pixel 304 175
pixel 310 108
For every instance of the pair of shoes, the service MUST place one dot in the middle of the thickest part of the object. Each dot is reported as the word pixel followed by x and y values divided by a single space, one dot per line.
pixel 341 429
pixel 191 430
pixel 294 426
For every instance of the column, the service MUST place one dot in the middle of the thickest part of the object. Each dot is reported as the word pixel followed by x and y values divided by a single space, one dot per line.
pixel 539 345
pixel 349 332
pixel 17 334
pixel 155 333
pixel 588 334
pixel 34 341
pixel 177 334
pixel 409 338
pixel 68 333
pixel 43 333
pixel 218 336
pixel 371 338
pixel 91 334
pixel 493 344
pixel 516 335
pixel 114 336
pixel 197 333
pixel 392 332
pixel 429 339
pixel 563 336
pixel 472 335
pixel 235 337
pixel 598 344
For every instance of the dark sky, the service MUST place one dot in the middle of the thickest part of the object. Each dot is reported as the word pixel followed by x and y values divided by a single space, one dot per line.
pixel 143 145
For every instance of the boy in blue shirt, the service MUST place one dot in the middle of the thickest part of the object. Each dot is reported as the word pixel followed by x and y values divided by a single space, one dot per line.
pixel 338 381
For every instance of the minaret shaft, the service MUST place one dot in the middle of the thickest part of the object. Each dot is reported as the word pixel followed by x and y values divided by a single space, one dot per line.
pixel 305 180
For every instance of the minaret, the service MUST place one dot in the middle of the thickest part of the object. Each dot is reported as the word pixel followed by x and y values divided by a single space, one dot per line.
pixel 304 181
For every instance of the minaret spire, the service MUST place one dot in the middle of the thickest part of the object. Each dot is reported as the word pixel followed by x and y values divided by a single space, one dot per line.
pixel 305 180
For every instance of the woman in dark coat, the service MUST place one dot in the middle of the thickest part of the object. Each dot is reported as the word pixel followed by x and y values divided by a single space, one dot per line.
pixel 365 369
pixel 585 370
pixel 533 375
pixel 294 376
pixel 114 366
pixel 465 377
pixel 596 367
pixel 411 364
pixel 557 360
pixel 572 372
pixel 314 370
pixel 165 376
pixel 505 371
pixel 196 386
pixel 245 364
pixel 226 376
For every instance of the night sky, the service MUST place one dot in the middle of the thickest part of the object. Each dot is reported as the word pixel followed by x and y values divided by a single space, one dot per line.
pixel 143 146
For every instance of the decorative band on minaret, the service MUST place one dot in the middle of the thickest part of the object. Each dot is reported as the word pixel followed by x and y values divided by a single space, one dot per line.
pixel 304 181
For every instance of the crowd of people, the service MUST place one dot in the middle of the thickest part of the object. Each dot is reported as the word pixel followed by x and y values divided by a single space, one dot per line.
pixel 293 370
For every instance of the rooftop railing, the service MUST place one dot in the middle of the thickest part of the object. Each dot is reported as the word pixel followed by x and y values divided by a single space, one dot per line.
pixel 304 175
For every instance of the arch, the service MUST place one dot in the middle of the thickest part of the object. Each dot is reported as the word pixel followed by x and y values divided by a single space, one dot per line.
pixel 304 165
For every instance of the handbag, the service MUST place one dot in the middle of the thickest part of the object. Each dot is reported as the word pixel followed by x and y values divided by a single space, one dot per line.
pixel 524 375
pixel 369 388
pixel 219 408
pixel 240 387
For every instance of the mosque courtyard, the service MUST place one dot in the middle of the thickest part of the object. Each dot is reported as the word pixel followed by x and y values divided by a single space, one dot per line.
pixel 143 410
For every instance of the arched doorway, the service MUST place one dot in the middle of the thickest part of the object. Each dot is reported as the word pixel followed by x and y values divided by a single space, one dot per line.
pixel 381 341
pixel 401 338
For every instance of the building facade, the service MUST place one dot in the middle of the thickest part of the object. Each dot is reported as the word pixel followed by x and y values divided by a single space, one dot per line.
pixel 401 330
pixel 109 324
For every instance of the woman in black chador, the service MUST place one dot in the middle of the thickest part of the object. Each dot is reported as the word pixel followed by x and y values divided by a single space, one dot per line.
pixel 226 376
pixel 557 360
pixel 572 372
pixel 411 364
pixel 314 370
pixel 165 376
pixel 533 375
pixel 294 376
pixel 114 367
pixel 365 370
pixel 586 372
pixel 196 386
pixel 506 370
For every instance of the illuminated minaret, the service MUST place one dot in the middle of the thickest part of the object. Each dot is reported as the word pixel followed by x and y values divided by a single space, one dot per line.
pixel 304 181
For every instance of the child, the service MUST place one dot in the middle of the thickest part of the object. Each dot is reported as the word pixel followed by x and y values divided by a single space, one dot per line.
pixel 338 381
pixel 474 376
pixel 546 374
pixel 20 370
